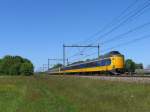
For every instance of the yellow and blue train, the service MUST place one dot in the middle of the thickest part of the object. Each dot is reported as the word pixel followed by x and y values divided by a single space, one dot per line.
pixel 112 63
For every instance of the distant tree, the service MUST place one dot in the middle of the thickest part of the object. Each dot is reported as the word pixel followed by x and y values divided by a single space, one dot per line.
pixel 88 60
pixel 130 66
pixel 57 65
pixel 12 65
pixel 26 60
pixel 6 64
pixel 14 69
pixel 139 66
pixel 0 66
pixel 27 69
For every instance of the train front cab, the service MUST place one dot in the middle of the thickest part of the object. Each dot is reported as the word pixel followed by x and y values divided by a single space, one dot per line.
pixel 117 63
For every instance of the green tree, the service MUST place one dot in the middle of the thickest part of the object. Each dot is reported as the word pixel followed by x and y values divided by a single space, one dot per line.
pixel 0 66
pixel 6 64
pixel 57 65
pixel 130 66
pixel 27 69
pixel 139 66
pixel 87 60
pixel 14 70
pixel 18 59
pixel 11 65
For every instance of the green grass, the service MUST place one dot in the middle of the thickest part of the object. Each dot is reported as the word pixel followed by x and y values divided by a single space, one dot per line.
pixel 67 94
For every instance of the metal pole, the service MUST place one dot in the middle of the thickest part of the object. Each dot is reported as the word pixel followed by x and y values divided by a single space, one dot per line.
pixel 98 51
pixel 67 61
pixel 48 64
pixel 64 58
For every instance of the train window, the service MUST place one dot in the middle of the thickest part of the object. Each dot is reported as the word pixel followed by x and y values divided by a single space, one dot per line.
pixel 107 62
pixel 88 65
pixel 82 66
pixel 92 64
pixel 104 62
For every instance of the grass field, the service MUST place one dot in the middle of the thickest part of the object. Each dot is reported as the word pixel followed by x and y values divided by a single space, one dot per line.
pixel 67 94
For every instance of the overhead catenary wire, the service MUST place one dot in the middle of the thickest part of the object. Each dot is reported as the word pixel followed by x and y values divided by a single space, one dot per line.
pixel 123 22
pixel 116 19
pixel 121 36
pixel 84 57
pixel 120 45
pixel 128 42
pixel 111 23
pixel 118 26
pixel 120 23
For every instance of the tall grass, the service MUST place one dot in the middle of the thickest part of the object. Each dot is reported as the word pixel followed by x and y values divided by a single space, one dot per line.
pixel 68 94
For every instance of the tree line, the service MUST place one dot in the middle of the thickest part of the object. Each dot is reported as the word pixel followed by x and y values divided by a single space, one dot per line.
pixel 16 65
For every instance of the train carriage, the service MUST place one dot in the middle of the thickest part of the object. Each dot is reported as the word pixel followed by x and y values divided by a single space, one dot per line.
pixel 112 63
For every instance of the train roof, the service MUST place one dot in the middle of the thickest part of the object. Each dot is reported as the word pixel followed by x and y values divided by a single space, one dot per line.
pixel 96 59
pixel 110 54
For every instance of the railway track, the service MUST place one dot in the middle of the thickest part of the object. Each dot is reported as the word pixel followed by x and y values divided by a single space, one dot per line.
pixel 124 75
pixel 136 79
pixel 121 78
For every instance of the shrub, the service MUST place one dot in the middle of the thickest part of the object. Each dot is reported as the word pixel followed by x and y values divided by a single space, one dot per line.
pixel 130 66
pixel 27 69
pixel 15 65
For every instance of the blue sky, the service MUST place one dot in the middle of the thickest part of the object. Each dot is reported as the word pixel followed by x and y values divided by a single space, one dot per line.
pixel 37 29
